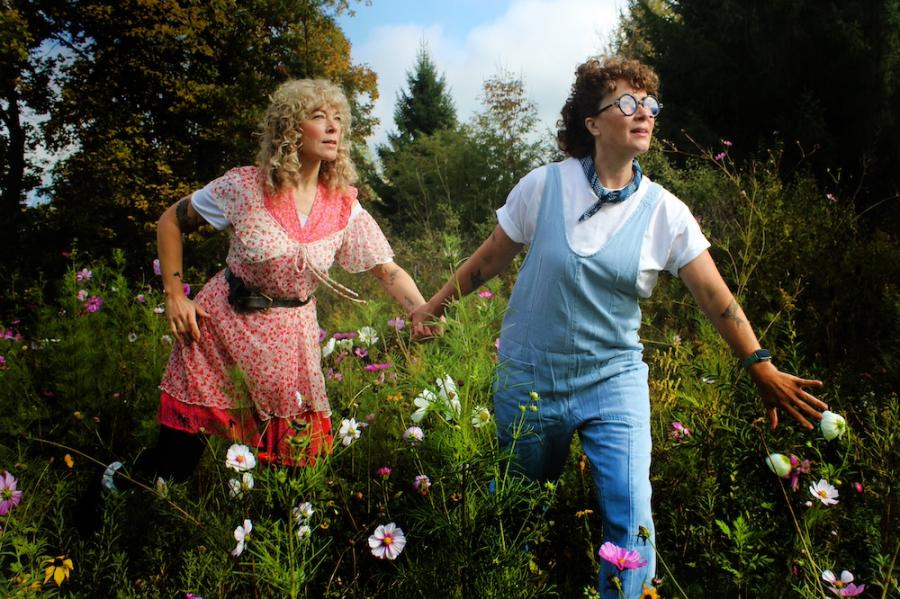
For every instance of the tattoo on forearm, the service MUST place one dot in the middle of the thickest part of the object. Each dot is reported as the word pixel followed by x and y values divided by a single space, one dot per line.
pixel 392 277
pixel 731 313
pixel 177 274
pixel 408 301
pixel 186 222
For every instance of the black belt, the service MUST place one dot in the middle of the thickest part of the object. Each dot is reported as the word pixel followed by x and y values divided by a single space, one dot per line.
pixel 245 299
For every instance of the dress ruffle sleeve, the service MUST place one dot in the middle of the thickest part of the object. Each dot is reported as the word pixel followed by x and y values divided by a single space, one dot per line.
pixel 364 245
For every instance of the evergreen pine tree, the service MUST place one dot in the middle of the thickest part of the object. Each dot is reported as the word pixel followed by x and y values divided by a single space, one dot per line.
pixel 426 107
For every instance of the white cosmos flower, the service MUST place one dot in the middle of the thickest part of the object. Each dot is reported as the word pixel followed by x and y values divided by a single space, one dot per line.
pixel 328 348
pixel 480 416
pixel 349 431
pixel 368 336
pixel 424 402
pixel 779 463
pixel 387 542
pixel 303 512
pixel 832 425
pixel 239 458
pixel 304 532
pixel 345 344
pixel 238 487
pixel 449 397
pixel 242 535
pixel 824 492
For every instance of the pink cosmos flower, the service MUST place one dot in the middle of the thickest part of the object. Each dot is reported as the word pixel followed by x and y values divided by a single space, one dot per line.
pixel 387 542
pixel 83 275
pixel 2 361
pixel 421 484
pixel 81 295
pixel 350 335
pixel 9 495
pixel 843 587
pixel 361 352
pixel 798 468
pixel 727 143
pixel 719 156
pixel 384 471
pixel 858 487
pixel 322 334
pixel 497 343
pixel 486 294
pixel 377 367
pixel 157 270
pixel 187 289
pixel 93 304
pixel 140 297
pixel 679 431
pixel 621 558
pixel 397 323
pixel 413 435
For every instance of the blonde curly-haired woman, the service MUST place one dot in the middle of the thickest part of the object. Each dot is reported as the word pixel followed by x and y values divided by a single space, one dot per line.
pixel 290 218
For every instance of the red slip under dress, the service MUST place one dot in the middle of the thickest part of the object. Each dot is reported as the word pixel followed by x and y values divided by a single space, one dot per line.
pixel 275 354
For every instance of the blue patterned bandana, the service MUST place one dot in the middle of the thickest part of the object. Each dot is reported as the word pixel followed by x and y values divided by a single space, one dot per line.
pixel 605 196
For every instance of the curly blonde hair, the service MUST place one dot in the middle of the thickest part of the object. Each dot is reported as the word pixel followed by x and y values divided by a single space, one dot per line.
pixel 593 80
pixel 280 134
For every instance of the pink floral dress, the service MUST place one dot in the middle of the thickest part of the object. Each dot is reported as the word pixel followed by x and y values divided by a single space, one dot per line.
pixel 275 354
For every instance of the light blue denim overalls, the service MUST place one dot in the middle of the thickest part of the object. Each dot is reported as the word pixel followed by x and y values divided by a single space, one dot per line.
pixel 571 335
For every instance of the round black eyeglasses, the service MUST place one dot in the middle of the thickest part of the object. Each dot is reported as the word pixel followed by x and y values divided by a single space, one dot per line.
pixel 628 104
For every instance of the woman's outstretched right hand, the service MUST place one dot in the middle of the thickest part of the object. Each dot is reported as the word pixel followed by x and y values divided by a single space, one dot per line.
pixel 425 322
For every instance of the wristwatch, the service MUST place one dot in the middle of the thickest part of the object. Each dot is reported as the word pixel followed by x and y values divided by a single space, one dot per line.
pixel 760 355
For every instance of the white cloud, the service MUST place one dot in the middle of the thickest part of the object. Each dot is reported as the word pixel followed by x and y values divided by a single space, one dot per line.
pixel 541 40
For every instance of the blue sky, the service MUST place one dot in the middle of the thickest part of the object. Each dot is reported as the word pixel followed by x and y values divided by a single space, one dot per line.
pixel 541 41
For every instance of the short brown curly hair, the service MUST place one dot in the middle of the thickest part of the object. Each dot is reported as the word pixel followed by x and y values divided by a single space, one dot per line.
pixel 279 145
pixel 594 79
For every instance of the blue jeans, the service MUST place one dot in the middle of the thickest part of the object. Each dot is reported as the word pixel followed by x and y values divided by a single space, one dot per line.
pixel 611 414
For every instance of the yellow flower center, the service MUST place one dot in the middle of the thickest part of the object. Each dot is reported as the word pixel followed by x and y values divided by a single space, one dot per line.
pixel 388 540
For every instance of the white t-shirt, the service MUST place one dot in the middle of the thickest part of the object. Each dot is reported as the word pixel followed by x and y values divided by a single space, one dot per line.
pixel 673 237
pixel 205 204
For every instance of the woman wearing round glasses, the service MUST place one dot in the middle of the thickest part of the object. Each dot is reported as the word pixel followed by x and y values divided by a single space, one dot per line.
pixel 599 232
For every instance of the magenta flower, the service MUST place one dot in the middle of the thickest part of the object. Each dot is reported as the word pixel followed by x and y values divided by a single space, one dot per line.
pixel 2 361
pixel 679 431
pixel 727 143
pixel 350 335
pixel 361 352
pixel 187 289
pixel 798 468
pixel 322 334
pixel 621 558
pixel 9 495
pixel 83 275
pixel 384 471
pixel 486 294
pixel 719 156
pixel 377 367
pixel 858 487
pixel 157 270
pixel 421 484
pixel 397 323
pixel 93 304
pixel 140 297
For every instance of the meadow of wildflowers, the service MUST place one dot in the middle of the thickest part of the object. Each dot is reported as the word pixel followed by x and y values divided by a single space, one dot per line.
pixel 416 498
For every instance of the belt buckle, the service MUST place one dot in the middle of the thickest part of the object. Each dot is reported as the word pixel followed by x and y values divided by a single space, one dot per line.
pixel 269 299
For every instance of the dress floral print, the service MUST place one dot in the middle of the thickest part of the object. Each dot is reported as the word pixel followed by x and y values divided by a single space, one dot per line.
pixel 274 352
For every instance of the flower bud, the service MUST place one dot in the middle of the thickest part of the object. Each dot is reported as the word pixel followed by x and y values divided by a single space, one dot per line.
pixel 779 464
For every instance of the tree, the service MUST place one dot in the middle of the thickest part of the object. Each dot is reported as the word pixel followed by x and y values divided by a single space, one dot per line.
pixel 26 71
pixel 821 77
pixel 426 107
pixel 162 96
